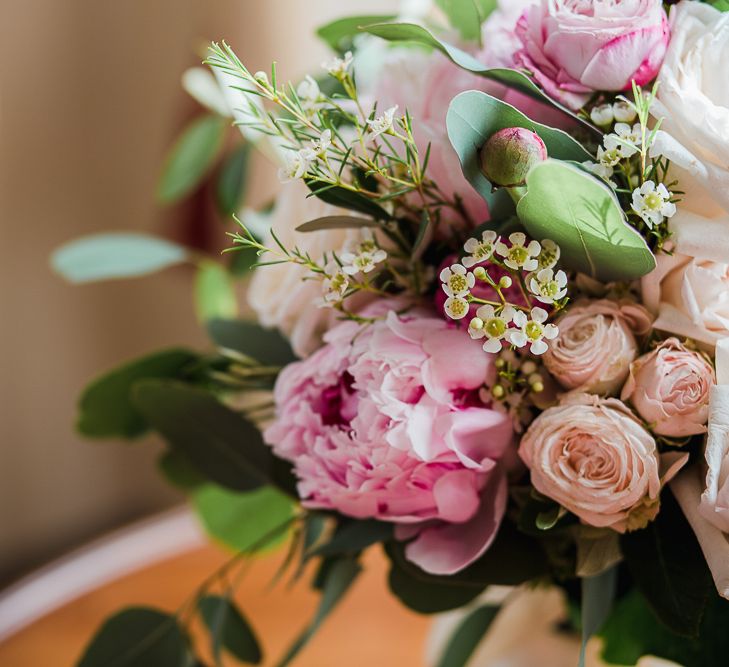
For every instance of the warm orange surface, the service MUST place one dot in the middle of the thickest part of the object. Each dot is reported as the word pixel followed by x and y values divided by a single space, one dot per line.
pixel 369 628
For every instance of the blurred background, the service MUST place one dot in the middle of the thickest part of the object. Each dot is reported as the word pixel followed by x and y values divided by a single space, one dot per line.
pixel 90 101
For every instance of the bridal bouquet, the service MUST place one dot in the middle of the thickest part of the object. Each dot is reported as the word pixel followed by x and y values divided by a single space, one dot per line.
pixel 494 295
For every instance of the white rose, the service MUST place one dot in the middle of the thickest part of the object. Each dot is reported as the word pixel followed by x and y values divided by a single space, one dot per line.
pixel 280 294
pixel 693 101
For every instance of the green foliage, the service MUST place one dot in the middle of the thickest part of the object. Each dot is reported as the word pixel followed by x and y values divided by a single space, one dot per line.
pixel 266 346
pixel 473 117
pixel 351 537
pixel 214 291
pixel 340 34
pixel 582 215
pixel 191 157
pixel 466 16
pixel 115 255
pixel 241 520
pixel 669 568
pixel 231 184
pixel 137 637
pixel 106 409
pixel 329 222
pixel 229 629
pixel 339 577
pixel 598 595
pixel 177 469
pixel 224 446
pixel 721 5
pixel 467 636
pixel 343 198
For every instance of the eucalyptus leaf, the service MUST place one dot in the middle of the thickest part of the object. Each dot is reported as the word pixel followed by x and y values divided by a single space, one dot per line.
pixel 339 34
pixel 231 185
pixel 223 445
pixel 229 629
pixel 241 520
pixel 179 471
pixel 106 409
pixel 582 215
pixel 465 16
pixel 191 157
pixel 336 222
pixel 266 346
pixel 214 291
pixel 473 117
pixel 115 255
pixel 467 636
pixel 137 637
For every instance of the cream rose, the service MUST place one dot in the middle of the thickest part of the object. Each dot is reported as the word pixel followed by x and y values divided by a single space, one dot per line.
pixel 669 387
pixel 594 458
pixel 690 297
pixel 596 345
pixel 693 101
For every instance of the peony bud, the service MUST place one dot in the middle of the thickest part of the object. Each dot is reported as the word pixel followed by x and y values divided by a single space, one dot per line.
pixel 508 155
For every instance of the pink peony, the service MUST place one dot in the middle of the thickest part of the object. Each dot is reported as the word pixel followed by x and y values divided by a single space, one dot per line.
pixel 386 422
pixel 669 388
pixel 594 458
pixel 575 47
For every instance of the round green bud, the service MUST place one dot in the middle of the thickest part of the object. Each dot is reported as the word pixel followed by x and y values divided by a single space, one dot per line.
pixel 498 391
pixel 505 282
pixel 508 155
pixel 480 273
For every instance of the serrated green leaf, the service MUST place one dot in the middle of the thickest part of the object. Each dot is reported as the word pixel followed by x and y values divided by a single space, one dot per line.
pixel 266 346
pixel 229 629
pixel 582 215
pixel 467 636
pixel 115 255
pixel 231 185
pixel 106 409
pixel 191 157
pixel 215 296
pixel 137 637
pixel 223 445
pixel 473 117
pixel 242 520
pixel 329 222
pixel 339 34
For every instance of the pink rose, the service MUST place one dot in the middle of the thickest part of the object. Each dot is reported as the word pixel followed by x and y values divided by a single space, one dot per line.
pixel 594 458
pixel 669 388
pixel 596 345
pixel 386 421
pixel 575 47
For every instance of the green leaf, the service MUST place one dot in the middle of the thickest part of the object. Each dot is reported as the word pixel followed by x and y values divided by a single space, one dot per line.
pixel 266 346
pixel 336 222
pixel 598 595
pixel 669 568
pixel 467 636
pixel 339 578
pixel 582 215
pixel 721 5
pixel 220 443
pixel 137 637
pixel 215 295
pixel 465 16
pixel 343 198
pixel 242 520
pixel 473 117
pixel 106 409
pixel 229 629
pixel 115 255
pixel 179 471
pixel 410 32
pixel 231 186
pixel 354 536
pixel 339 34
pixel 191 157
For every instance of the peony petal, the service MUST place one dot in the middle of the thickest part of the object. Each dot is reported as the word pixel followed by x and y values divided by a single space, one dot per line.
pixel 456 496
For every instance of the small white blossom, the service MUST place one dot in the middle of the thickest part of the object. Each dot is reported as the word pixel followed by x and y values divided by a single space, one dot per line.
pixel 309 94
pixel 602 115
pixel 335 284
pixel 339 67
pixel 652 203
pixel 624 112
pixel 480 251
pixel 547 286
pixel 320 146
pixel 362 256
pixel 549 254
pixel 491 325
pixel 532 331
pixel 519 256
pixel 456 307
pixel 297 164
pixel 625 140
pixel 608 158
pixel 383 123
pixel 600 170
pixel 262 78
pixel 457 282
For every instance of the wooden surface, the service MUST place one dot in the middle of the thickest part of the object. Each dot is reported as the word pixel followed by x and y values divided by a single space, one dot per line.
pixel 369 628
